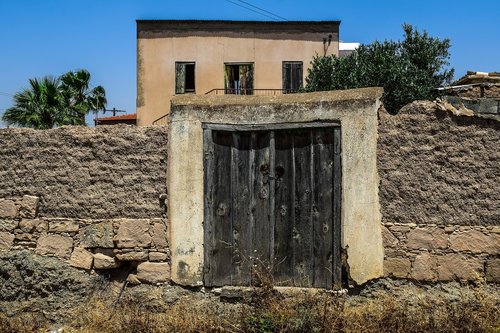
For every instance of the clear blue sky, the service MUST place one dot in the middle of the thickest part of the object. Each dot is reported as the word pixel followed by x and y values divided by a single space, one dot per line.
pixel 51 37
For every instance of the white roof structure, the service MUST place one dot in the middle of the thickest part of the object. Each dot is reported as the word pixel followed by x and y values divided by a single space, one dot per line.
pixel 348 46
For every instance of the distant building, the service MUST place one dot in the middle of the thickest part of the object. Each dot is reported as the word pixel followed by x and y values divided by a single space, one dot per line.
pixel 347 48
pixel 224 57
pixel 477 92
pixel 130 119
pixel 475 85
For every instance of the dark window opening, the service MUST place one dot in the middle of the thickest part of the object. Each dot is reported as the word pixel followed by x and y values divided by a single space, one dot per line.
pixel 292 76
pixel 238 79
pixel 184 78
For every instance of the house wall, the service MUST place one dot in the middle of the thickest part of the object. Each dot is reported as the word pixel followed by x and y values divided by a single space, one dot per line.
pixel 160 46
pixel 439 194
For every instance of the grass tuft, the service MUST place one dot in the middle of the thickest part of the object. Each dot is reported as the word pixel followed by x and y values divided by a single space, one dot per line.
pixel 469 310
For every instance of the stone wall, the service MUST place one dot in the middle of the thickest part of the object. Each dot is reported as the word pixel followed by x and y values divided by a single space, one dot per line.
pixel 442 253
pixel 85 243
pixel 438 168
pixel 81 172
pixel 439 194
pixel 93 198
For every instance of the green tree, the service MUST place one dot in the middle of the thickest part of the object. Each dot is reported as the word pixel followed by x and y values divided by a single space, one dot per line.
pixel 40 106
pixel 407 70
pixel 50 102
pixel 76 87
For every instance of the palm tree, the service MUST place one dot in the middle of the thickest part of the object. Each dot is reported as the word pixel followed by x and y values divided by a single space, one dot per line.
pixel 50 102
pixel 76 86
pixel 40 106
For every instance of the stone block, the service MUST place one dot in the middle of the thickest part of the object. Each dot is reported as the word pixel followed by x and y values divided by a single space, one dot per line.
pixel 160 236
pixel 98 235
pixel 403 229
pixel 493 271
pixel 81 258
pixel 8 225
pixel 424 267
pixel 427 238
pixel 33 225
pixel 158 256
pixel 102 261
pixel 397 267
pixel 29 207
pixel 132 279
pixel 56 245
pixel 133 233
pixel 25 236
pixel 388 239
pixel 6 241
pixel 458 267
pixel 449 229
pixel 8 209
pixel 132 256
pixel 153 273
pixel 63 225
pixel 475 241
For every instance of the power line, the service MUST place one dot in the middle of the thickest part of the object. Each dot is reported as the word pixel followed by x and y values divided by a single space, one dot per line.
pixel 5 94
pixel 253 10
pixel 261 9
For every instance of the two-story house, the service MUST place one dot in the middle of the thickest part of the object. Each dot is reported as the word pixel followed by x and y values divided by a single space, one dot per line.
pixel 224 57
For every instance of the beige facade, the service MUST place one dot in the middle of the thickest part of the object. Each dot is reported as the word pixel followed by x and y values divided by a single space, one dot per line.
pixel 205 54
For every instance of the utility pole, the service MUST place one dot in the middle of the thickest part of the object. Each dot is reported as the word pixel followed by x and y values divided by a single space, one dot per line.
pixel 114 110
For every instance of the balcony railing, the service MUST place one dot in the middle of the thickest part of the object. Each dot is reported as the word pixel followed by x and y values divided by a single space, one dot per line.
pixel 258 92
pixel 162 121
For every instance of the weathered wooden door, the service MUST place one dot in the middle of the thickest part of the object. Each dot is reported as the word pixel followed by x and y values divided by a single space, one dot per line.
pixel 272 204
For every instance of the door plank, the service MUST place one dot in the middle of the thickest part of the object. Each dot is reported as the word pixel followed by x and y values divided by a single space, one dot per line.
pixel 303 228
pixel 208 165
pixel 241 202
pixel 337 204
pixel 261 209
pixel 322 216
pixel 284 209
pixel 221 211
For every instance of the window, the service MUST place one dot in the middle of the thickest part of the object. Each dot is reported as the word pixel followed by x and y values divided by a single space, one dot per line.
pixel 238 79
pixel 292 76
pixel 184 78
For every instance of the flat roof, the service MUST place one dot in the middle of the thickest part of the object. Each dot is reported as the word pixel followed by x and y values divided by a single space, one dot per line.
pixel 238 26
pixel 128 116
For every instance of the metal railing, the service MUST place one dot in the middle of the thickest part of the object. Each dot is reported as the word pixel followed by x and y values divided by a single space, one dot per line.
pixel 258 92
pixel 162 121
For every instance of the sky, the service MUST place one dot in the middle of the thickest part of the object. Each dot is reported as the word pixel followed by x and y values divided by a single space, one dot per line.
pixel 52 37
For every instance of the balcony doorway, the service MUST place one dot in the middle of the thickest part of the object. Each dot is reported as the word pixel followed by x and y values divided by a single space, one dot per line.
pixel 238 79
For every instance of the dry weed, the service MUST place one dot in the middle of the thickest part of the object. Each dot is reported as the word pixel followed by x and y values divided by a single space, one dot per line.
pixel 473 310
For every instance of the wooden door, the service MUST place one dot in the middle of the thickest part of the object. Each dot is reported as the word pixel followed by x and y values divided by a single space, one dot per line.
pixel 272 204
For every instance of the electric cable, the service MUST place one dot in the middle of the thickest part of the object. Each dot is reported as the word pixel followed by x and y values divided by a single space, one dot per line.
pixel 253 10
pixel 266 11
